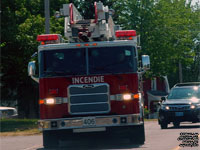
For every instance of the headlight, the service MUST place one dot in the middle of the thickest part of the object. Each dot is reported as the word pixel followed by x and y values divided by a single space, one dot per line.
pixel 50 101
pixel 192 106
pixel 165 107
pixel 127 96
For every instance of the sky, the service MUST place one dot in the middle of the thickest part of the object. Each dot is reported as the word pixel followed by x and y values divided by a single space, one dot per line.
pixel 194 1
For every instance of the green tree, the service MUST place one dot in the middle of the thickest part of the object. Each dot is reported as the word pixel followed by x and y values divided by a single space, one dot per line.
pixel 169 32
pixel 172 37
pixel 167 28
pixel 22 21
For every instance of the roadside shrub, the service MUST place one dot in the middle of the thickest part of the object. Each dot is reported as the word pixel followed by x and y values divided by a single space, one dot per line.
pixel 146 113
pixel 9 125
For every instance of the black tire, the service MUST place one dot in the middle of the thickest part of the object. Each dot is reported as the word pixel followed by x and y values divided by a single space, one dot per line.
pixel 50 139
pixel 176 124
pixel 163 124
pixel 139 136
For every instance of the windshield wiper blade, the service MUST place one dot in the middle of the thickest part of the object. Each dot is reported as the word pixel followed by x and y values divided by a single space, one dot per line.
pixel 62 72
pixel 102 69
pixel 56 72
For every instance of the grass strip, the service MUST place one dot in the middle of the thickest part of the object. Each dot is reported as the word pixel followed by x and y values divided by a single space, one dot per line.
pixel 18 127
pixel 21 133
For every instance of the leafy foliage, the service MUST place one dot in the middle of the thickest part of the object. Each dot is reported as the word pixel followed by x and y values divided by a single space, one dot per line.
pixel 169 32
pixel 168 29
pixel 13 125
pixel 25 20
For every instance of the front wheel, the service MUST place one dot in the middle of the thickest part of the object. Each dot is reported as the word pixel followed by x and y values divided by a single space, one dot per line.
pixel 163 124
pixel 50 139
pixel 139 136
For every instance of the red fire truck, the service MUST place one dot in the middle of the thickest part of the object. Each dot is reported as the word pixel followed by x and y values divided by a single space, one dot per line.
pixel 90 86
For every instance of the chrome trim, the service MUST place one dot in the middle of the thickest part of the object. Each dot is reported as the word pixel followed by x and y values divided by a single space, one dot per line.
pixel 89 103
pixel 88 94
pixel 65 100
pixel 141 106
pixel 119 97
pixel 58 100
pixel 93 93
pixel 101 121
pixel 112 97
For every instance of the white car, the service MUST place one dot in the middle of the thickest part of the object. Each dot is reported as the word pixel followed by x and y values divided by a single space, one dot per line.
pixel 8 112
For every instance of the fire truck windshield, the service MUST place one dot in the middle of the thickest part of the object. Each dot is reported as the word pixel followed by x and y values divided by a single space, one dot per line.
pixel 87 61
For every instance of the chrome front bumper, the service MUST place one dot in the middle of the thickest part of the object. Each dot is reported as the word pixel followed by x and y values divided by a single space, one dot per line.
pixel 90 122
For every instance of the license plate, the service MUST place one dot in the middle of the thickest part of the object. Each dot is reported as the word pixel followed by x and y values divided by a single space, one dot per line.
pixel 178 114
pixel 89 121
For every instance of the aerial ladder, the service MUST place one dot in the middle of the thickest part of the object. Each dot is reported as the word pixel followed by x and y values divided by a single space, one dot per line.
pixel 78 29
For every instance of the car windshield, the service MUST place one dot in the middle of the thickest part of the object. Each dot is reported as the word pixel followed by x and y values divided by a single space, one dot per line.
pixel 88 61
pixel 185 93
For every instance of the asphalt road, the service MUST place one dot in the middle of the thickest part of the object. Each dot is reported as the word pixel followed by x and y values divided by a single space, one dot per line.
pixel 156 139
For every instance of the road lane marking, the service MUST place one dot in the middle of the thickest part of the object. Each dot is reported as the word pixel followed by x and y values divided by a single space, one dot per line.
pixel 33 147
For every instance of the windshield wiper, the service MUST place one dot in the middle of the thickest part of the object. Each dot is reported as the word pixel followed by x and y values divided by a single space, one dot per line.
pixel 61 72
pixel 102 69
pixel 56 72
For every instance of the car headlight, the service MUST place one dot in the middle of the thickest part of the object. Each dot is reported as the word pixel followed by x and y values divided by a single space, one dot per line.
pixel 192 106
pixel 195 106
pixel 165 107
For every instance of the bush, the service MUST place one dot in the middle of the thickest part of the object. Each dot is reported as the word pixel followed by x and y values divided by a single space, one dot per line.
pixel 146 113
pixel 9 125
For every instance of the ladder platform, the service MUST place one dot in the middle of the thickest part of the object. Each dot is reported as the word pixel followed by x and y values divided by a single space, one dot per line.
pixel 85 22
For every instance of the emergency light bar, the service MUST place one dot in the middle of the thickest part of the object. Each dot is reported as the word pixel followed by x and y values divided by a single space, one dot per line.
pixel 125 33
pixel 49 38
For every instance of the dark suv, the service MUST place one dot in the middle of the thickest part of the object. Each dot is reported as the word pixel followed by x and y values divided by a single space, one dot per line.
pixel 182 104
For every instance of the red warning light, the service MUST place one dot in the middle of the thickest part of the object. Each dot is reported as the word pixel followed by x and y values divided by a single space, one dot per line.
pixel 125 33
pixel 47 37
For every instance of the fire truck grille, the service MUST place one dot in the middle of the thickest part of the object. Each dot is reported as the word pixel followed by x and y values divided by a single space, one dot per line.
pixel 89 99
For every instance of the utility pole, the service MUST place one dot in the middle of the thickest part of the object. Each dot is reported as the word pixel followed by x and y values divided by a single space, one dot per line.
pixel 180 72
pixel 47 16
pixel 198 66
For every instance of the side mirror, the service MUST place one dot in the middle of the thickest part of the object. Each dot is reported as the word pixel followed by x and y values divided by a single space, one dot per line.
pixel 31 68
pixel 145 62
pixel 139 47
pixel 159 103
pixel 163 98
